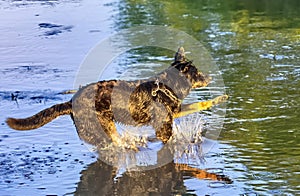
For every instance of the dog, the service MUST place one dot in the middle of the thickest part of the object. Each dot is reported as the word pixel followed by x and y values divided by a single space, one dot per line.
pixel 156 101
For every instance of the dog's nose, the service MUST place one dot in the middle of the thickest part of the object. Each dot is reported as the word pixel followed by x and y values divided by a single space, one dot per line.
pixel 206 76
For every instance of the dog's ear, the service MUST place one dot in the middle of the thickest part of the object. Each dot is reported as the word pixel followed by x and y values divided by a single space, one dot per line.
pixel 179 56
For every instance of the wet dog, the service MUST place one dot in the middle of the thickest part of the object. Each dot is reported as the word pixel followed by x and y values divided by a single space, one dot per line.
pixel 155 101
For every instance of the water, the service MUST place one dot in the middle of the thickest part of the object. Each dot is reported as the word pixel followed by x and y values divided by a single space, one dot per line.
pixel 255 44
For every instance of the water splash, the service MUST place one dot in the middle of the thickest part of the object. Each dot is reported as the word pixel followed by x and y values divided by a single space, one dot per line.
pixel 188 139
pixel 139 148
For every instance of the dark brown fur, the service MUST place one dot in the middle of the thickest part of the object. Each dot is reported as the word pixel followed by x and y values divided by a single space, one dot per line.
pixel 153 102
pixel 41 118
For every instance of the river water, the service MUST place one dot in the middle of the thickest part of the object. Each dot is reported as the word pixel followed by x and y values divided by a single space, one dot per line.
pixel 255 45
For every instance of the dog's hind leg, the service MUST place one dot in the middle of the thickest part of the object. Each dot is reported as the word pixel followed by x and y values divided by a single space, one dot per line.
pixel 199 106
pixel 164 132
pixel 109 127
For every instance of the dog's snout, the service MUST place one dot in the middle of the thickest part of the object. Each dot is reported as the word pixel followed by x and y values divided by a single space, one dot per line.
pixel 206 77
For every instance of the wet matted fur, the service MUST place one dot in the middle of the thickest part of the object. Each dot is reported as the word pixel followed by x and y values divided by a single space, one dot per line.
pixel 155 101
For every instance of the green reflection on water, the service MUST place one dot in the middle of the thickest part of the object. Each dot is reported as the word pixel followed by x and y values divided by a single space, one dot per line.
pixel 256 45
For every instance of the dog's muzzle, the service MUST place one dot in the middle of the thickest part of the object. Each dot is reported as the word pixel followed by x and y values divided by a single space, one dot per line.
pixel 203 80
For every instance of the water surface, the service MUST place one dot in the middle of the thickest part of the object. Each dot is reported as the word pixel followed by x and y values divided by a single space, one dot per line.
pixel 255 44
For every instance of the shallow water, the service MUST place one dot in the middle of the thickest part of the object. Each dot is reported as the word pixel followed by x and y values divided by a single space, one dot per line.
pixel 255 44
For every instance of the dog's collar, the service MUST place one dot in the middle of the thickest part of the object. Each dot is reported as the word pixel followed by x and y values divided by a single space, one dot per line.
pixel 154 91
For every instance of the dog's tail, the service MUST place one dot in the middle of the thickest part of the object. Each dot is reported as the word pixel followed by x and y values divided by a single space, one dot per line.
pixel 41 118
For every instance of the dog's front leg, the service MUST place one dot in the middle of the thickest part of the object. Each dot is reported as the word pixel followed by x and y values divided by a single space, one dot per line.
pixel 201 174
pixel 187 109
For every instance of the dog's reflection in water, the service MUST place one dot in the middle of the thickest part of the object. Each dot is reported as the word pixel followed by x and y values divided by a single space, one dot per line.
pixel 168 179
pixel 100 179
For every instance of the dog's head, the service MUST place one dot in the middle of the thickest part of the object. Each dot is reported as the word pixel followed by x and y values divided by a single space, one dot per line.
pixel 197 78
